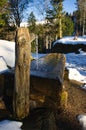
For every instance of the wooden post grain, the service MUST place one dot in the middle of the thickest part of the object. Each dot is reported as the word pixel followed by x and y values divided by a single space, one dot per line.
pixel 22 73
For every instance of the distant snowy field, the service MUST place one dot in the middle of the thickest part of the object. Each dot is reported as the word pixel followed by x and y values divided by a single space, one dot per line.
pixel 76 63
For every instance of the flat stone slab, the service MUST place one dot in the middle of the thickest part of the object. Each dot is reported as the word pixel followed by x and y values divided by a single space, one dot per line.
pixel 50 66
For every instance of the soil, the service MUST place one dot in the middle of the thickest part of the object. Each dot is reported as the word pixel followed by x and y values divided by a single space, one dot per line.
pixel 67 119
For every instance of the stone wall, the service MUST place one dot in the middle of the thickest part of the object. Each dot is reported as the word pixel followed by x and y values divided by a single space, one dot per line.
pixel 47 80
pixel 45 91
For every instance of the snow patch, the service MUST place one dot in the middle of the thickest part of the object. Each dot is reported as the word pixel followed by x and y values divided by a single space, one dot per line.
pixel 10 125
pixel 82 121
pixel 7 51
pixel 3 65
pixel 75 75
pixel 84 86
pixel 76 64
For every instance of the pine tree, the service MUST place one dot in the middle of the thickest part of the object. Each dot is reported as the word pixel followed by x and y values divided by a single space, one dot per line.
pixel 3 12
pixel 68 26
pixel 81 5
pixel 55 15
pixel 32 22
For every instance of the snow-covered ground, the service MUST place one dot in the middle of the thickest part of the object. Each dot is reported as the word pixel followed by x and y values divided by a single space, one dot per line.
pixel 76 63
pixel 10 125
pixel 7 51
pixel 70 40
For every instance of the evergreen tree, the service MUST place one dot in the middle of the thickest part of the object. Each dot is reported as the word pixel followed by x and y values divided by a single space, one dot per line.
pixel 3 4
pixel 81 17
pixel 32 22
pixel 3 12
pixel 68 26
pixel 55 15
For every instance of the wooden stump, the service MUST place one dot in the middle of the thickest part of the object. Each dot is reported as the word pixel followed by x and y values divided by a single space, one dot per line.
pixel 22 73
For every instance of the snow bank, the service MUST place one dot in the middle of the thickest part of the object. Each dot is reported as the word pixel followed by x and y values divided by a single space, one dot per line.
pixel 75 75
pixel 7 51
pixel 76 64
pixel 10 125
pixel 70 40
pixel 84 86
pixel 82 121
pixel 3 65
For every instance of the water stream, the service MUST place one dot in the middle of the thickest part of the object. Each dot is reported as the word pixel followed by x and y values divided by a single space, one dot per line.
pixel 37 52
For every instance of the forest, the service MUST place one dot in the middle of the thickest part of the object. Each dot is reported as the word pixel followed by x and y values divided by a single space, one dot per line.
pixel 58 23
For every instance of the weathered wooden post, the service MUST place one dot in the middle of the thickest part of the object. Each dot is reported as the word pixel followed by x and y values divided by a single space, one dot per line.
pixel 22 73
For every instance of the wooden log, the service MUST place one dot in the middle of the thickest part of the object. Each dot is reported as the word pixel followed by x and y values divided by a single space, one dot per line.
pixel 22 73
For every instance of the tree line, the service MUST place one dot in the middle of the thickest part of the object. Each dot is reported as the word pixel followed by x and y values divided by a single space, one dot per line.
pixel 58 23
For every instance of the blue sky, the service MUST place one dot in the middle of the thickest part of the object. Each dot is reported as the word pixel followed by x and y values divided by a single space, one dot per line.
pixel 39 6
pixel 69 5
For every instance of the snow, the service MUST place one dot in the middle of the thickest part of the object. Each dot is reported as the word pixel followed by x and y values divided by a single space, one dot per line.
pixel 75 75
pixel 10 125
pixel 3 66
pixel 76 64
pixel 24 24
pixel 70 40
pixel 84 86
pixel 82 121
pixel 7 51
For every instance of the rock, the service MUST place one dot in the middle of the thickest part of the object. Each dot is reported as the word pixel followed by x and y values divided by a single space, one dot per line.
pixel 64 98
pixel 68 48
pixel 6 88
pixel 49 122
pixel 40 119
pixel 46 83
pixel 75 38
pixel 47 80
pixel 66 74
pixel 1 84
pixel 50 66
pixel 32 104
pixel 2 104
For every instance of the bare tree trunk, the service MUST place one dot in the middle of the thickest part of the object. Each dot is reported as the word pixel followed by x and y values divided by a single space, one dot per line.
pixel 46 42
pixel 22 73
pixel 60 28
pixel 83 23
